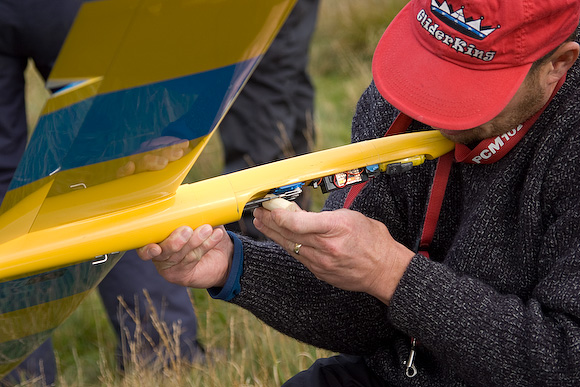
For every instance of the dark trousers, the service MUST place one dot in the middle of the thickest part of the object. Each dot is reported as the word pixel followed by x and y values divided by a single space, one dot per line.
pixel 35 29
pixel 337 371
pixel 272 118
pixel 29 29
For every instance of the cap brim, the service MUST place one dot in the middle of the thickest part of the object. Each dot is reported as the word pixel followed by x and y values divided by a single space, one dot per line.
pixel 435 91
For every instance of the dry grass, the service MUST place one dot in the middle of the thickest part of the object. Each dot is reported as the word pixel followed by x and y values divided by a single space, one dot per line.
pixel 242 351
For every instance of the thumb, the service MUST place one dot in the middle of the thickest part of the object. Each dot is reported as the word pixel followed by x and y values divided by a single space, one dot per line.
pixel 284 204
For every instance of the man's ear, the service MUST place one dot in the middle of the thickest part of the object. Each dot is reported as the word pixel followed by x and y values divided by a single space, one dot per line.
pixel 561 60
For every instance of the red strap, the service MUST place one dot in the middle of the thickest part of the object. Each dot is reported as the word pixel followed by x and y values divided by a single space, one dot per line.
pixel 353 193
pixel 488 151
pixel 435 201
pixel 400 125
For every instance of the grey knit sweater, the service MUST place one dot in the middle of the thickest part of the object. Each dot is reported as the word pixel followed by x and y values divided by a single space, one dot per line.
pixel 498 303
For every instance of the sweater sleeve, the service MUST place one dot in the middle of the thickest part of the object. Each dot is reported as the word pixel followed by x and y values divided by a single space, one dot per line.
pixel 493 338
pixel 280 291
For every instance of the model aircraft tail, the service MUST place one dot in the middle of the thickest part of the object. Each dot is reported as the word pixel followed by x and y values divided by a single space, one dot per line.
pixel 144 84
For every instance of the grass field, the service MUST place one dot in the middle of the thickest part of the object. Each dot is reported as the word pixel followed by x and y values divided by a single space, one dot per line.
pixel 250 353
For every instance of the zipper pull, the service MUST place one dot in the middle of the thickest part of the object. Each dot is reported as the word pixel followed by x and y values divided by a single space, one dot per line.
pixel 411 370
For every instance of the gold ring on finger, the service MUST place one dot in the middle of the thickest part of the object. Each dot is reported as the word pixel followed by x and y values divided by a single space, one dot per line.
pixel 297 247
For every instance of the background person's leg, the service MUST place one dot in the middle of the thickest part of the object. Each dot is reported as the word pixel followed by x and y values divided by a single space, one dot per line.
pixel 39 367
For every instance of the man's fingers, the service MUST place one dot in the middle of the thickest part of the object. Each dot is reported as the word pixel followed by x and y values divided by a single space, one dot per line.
pixel 126 170
pixel 177 240
pixel 173 152
pixel 279 203
pixel 183 245
pixel 149 251
pixel 152 162
pixel 291 223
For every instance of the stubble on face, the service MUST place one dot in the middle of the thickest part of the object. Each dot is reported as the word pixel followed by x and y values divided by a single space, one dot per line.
pixel 529 98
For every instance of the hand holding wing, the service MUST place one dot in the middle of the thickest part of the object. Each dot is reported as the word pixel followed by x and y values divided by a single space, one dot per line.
pixel 153 158
pixel 199 258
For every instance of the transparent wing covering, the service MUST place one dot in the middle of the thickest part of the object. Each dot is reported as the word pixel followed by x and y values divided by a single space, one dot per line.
pixel 144 84
pixel 147 94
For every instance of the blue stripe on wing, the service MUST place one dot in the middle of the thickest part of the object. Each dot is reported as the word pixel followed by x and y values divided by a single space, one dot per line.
pixel 114 125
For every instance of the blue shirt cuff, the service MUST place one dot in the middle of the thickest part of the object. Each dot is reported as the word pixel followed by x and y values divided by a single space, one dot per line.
pixel 232 286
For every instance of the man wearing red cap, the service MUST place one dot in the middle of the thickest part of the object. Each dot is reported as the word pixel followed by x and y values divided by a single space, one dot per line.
pixel 462 271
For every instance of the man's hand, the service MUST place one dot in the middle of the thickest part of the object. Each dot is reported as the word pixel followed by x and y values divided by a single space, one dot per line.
pixel 344 248
pixel 199 258
pixel 150 157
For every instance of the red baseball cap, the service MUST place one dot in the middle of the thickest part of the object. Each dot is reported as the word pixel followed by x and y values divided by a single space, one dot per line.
pixel 455 64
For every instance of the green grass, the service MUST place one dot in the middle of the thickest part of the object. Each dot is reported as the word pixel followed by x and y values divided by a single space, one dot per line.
pixel 251 354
